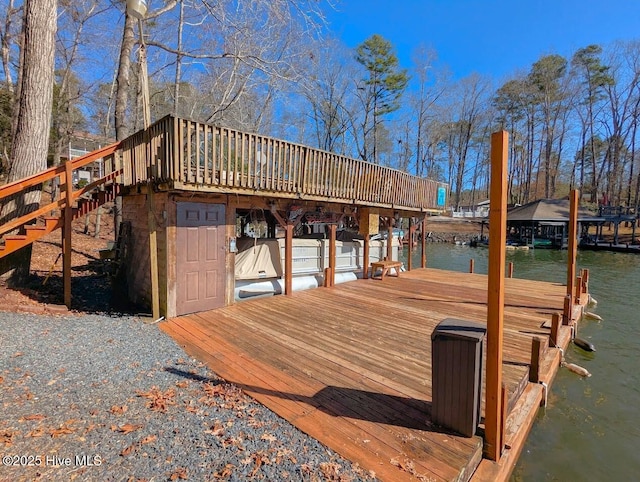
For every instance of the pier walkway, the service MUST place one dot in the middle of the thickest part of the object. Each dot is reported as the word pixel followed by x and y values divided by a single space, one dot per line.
pixel 351 365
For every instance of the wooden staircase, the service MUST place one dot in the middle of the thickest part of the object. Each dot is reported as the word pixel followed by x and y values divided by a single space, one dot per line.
pixel 73 203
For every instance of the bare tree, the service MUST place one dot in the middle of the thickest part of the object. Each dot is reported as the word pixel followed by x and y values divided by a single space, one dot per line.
pixel 30 144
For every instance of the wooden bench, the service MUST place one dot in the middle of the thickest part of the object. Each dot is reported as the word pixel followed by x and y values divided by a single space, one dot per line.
pixel 385 266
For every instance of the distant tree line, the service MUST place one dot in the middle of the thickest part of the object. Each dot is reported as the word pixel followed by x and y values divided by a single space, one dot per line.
pixel 272 66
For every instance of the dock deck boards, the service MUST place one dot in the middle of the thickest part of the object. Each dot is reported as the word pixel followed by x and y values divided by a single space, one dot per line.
pixel 351 365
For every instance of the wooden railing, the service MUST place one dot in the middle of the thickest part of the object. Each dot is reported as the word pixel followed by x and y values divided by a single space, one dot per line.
pixel 191 155
pixel 65 174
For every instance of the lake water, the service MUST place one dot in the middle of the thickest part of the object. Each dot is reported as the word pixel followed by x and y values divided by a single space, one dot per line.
pixel 590 430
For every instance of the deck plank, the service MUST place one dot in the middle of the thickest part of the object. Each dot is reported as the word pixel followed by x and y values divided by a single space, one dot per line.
pixel 351 365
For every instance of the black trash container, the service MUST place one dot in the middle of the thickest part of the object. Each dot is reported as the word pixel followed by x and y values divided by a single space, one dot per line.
pixel 456 365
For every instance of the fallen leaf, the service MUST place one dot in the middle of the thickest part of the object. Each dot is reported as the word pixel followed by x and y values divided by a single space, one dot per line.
pixel 17 354
pixel 36 416
pixel 58 432
pixel 38 432
pixel 51 382
pixel 225 473
pixel 180 473
pixel 128 450
pixel 182 384
pixel 126 428
pixel 148 439
pixel 6 437
pixel 118 410
pixel 268 436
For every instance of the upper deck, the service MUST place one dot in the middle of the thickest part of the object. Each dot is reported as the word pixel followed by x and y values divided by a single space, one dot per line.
pixel 187 155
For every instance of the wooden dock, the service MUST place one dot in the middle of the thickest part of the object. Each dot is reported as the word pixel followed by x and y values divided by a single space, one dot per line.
pixel 351 365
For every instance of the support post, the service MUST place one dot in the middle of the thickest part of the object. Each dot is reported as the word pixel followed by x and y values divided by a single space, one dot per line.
pixel 390 239
pixel 66 232
pixel 288 260
pixel 472 264
pixel 567 313
pixel 573 247
pixel 555 328
pixel 365 258
pixel 578 289
pixel 423 261
pixel 536 357
pixel 332 253
pixel 410 247
pixel 153 253
pixel 495 296
pixel 510 273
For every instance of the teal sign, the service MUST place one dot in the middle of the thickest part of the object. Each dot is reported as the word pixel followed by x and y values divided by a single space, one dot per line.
pixel 442 196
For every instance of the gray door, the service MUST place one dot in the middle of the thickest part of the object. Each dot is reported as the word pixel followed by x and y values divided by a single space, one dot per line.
pixel 200 256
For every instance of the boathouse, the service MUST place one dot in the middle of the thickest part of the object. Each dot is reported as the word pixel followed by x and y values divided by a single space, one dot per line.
pixel 190 189
pixel 545 223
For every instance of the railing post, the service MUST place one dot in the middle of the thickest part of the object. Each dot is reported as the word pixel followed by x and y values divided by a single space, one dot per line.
pixel 555 328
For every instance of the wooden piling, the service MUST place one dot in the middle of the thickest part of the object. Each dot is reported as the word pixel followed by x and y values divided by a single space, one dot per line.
pixel 471 265
pixel 572 247
pixel 495 296
pixel 536 358
pixel 555 328
pixel 510 273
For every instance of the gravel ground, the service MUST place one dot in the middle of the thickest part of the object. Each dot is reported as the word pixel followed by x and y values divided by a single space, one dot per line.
pixel 99 397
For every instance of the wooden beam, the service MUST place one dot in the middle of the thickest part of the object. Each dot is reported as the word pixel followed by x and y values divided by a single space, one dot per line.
pixel 365 258
pixel 390 238
pixel 332 253
pixel 410 248
pixel 495 295
pixel 423 260
pixel 573 247
pixel 288 260
pixel 153 253
pixel 66 232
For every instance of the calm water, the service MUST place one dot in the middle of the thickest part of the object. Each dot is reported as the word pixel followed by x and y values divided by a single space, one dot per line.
pixel 590 430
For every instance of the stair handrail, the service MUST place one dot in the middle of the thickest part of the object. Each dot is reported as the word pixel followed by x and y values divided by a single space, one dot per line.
pixel 43 176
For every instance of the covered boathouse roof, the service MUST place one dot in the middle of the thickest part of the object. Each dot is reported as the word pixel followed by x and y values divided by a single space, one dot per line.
pixel 549 211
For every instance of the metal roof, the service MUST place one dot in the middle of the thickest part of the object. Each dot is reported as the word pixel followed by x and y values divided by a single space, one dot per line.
pixel 549 210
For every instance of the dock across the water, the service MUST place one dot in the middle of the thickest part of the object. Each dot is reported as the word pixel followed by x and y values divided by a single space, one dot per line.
pixel 351 365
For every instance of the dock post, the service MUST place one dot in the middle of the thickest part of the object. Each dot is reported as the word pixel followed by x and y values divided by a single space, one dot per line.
pixel 585 280
pixel 423 262
pixel 567 312
pixel 390 239
pixel 555 329
pixel 365 258
pixel 288 259
pixel 332 253
pixel 471 265
pixel 572 250
pixel 537 349
pixel 578 289
pixel 494 410
pixel 409 249
pixel 510 273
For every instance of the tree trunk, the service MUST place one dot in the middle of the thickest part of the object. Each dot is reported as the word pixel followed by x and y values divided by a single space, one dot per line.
pixel 31 140
pixel 122 93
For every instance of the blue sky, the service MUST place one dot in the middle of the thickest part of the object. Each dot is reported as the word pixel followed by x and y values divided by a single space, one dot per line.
pixel 492 37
